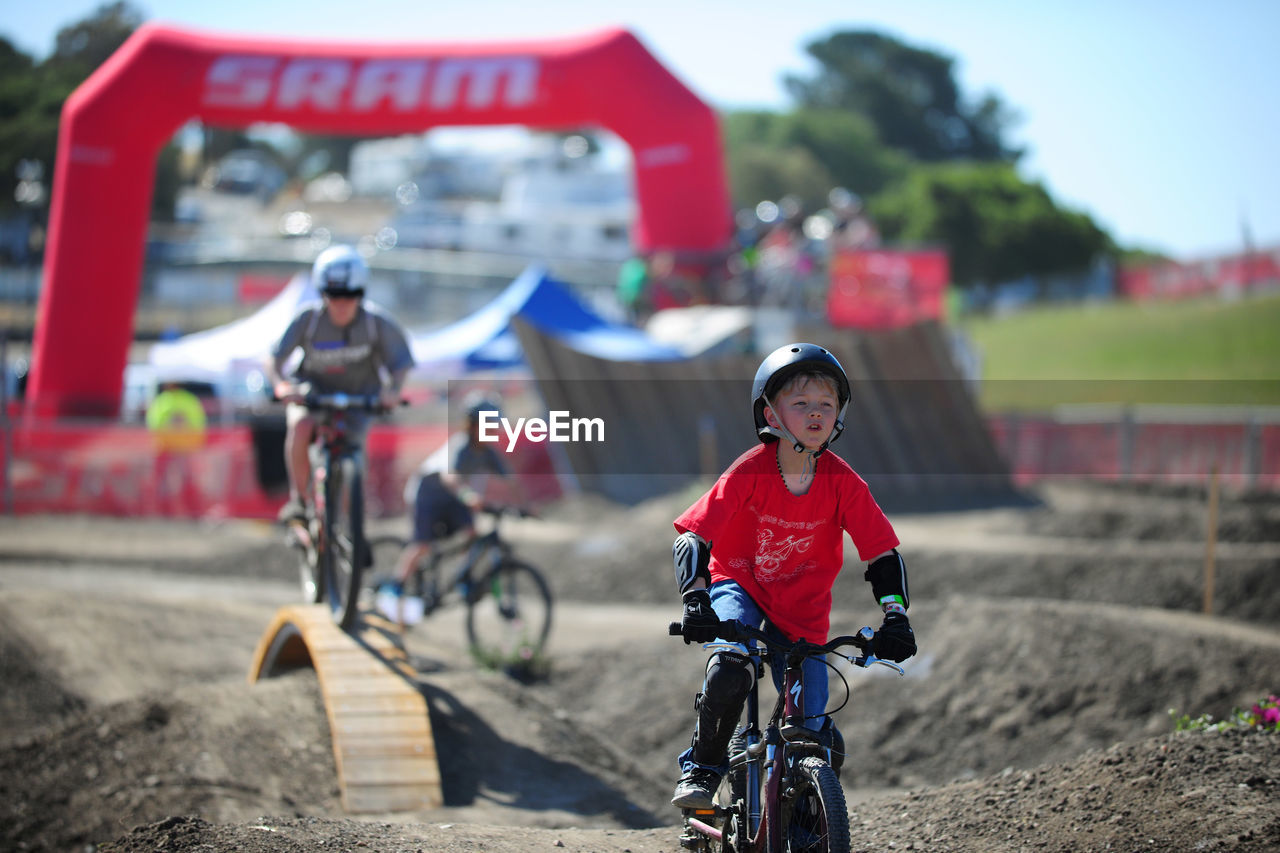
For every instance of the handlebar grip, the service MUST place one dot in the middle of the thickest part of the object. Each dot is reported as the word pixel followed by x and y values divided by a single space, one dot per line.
pixel 674 629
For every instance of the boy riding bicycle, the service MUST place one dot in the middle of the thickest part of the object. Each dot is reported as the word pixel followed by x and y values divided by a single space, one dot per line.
pixel 347 346
pixel 449 486
pixel 776 519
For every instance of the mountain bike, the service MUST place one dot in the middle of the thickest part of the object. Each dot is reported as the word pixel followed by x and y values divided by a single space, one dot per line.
pixel 331 544
pixel 781 794
pixel 508 601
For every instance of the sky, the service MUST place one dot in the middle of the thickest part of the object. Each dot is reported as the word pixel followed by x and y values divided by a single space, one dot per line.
pixel 1158 119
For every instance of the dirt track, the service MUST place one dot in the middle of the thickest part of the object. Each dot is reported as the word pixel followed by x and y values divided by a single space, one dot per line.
pixel 1054 641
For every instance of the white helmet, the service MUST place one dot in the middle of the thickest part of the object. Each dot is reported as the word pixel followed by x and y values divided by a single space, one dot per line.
pixel 340 271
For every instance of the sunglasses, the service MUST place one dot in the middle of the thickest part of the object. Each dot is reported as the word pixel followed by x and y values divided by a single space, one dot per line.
pixel 344 294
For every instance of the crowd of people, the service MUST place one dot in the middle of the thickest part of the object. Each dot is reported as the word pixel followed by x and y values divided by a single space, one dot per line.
pixel 777 258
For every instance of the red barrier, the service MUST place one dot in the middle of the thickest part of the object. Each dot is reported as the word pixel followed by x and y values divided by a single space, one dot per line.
pixel 1172 280
pixel 63 467
pixel 1246 455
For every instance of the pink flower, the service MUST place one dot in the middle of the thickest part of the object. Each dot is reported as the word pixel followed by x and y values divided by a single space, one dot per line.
pixel 1272 716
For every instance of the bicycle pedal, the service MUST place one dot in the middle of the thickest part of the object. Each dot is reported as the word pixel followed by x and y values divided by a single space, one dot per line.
pixel 713 812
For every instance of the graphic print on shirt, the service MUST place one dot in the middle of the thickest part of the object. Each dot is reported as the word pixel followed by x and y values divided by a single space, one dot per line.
pixel 335 357
pixel 773 559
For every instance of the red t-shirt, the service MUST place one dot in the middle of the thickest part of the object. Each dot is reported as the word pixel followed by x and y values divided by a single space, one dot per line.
pixel 785 550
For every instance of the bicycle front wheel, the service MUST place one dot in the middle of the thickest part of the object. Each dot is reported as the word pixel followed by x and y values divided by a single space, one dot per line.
pixel 816 819
pixel 509 616
pixel 345 545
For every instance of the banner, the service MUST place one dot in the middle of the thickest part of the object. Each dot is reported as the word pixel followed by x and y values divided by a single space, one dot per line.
pixel 887 289
pixel 68 467
pixel 1226 275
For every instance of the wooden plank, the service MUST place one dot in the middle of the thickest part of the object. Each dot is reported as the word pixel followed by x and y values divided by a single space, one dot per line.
pixel 378 718
pixel 385 702
pixel 363 799
pixel 400 724
pixel 380 770
pixel 367 747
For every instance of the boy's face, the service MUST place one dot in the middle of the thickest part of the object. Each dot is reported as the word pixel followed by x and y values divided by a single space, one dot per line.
pixel 808 409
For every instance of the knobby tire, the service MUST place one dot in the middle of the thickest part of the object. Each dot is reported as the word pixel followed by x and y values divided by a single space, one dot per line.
pixel 344 546
pixel 816 819
pixel 509 615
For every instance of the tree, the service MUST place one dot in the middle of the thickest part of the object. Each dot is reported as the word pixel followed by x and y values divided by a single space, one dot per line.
pixel 909 94
pixel 81 47
pixel 996 226
pixel 818 149
pixel 759 172
pixel 32 94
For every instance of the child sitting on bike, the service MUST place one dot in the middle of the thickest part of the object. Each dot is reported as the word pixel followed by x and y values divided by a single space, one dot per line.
pixel 764 545
pixel 450 485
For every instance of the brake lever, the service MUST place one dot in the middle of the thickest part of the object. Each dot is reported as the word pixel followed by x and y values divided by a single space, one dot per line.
pixel 868 660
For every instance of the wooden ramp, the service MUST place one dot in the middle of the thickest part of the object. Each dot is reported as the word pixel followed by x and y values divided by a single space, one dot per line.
pixel 381 730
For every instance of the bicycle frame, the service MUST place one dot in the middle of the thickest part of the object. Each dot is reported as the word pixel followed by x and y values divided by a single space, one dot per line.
pixel 484 550
pixel 331 445
pixel 334 449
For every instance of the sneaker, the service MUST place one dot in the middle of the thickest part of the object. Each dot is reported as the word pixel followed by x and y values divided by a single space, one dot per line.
pixel 386 600
pixel 293 510
pixel 696 788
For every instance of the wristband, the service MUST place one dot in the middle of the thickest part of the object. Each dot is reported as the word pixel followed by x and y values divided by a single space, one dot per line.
pixel 894 608
pixel 887 601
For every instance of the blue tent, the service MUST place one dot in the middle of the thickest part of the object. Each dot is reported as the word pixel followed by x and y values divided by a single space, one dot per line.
pixel 485 339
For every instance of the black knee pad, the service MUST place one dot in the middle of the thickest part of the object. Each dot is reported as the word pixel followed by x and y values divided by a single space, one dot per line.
pixel 727 682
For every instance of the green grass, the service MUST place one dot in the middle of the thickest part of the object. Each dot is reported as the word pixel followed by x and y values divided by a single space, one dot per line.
pixel 1195 352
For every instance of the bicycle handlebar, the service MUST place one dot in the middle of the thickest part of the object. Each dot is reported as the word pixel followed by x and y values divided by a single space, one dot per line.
pixel 735 632
pixel 340 401
pixel 497 510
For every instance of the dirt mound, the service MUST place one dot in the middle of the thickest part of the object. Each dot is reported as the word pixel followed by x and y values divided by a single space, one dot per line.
pixel 1187 791
pixel 228 754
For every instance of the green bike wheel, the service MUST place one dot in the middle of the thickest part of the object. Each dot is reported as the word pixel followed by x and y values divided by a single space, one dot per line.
pixel 509 617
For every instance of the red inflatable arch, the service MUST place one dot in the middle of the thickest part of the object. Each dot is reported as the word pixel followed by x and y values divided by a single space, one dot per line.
pixel 115 124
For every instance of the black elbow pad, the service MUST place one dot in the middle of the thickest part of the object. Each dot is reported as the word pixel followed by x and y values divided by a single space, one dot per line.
pixel 888 578
pixel 692 557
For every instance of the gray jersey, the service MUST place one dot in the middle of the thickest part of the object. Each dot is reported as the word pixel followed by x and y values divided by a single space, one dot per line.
pixel 345 358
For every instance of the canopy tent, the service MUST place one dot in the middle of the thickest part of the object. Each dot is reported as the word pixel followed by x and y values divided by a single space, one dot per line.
pixel 483 340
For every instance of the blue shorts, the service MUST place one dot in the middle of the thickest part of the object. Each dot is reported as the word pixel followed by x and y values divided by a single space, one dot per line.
pixel 437 512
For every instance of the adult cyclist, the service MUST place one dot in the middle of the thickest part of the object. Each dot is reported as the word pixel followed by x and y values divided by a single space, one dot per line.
pixel 347 346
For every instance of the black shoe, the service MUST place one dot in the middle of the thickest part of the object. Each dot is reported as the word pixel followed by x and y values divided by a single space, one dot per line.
pixel 696 788
pixel 293 510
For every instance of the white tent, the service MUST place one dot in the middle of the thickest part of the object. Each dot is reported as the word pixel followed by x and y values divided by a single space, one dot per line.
pixel 234 353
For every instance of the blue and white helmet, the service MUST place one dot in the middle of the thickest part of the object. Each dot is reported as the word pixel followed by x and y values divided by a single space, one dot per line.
pixel 340 271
